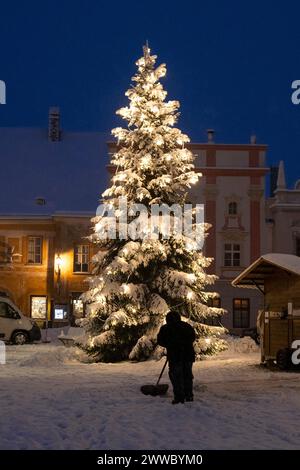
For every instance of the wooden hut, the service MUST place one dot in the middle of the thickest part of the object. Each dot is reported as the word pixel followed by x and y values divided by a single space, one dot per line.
pixel 277 277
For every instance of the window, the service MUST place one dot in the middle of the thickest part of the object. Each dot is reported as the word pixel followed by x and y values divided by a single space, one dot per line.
pixel 81 259
pixel 38 307
pixel 241 313
pixel 232 208
pixel 9 250
pixel 34 250
pixel 297 246
pixel 232 254
pixel 214 302
pixel 213 321
pixel 6 311
pixel 2 310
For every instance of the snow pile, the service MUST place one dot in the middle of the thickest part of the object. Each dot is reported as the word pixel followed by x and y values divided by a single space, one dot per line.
pixel 244 345
pixel 58 356
pixel 51 334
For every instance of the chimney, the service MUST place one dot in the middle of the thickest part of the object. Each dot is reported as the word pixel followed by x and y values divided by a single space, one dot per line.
pixel 40 201
pixel 210 136
pixel 253 139
pixel 54 133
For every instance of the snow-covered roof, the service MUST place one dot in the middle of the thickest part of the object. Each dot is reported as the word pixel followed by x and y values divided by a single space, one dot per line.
pixel 70 174
pixel 256 273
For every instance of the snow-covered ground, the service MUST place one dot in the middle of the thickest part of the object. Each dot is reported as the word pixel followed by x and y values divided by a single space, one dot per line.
pixel 50 400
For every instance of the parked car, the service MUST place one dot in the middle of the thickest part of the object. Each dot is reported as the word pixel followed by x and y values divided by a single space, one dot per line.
pixel 14 326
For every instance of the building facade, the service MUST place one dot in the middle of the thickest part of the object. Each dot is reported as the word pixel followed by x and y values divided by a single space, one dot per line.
pixel 44 263
pixel 44 256
pixel 232 190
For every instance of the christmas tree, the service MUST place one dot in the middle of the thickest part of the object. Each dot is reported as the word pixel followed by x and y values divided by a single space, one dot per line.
pixel 135 282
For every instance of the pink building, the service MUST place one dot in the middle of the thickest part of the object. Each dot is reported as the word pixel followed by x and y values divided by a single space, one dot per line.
pixel 233 191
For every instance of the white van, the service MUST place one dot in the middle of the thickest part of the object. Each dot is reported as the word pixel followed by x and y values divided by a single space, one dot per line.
pixel 14 326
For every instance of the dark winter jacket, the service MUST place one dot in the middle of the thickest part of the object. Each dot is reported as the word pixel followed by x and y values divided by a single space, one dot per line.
pixel 178 338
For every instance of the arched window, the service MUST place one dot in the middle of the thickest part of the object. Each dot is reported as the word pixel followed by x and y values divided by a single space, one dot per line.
pixel 232 208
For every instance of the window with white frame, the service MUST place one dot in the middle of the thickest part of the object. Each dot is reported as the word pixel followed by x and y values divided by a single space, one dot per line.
pixel 34 255
pixel 232 254
pixel 81 259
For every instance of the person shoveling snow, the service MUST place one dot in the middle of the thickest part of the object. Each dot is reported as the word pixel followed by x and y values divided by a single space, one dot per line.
pixel 178 337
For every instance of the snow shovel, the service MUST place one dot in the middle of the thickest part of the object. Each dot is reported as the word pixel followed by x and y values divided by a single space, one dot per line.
pixel 157 389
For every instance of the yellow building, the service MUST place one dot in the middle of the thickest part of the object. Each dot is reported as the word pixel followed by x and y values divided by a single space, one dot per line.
pixel 44 262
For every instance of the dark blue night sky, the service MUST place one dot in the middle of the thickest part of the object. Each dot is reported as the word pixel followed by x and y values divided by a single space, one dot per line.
pixel 230 63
